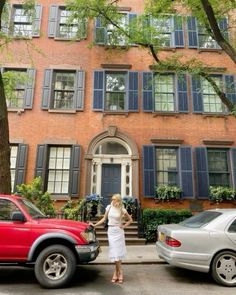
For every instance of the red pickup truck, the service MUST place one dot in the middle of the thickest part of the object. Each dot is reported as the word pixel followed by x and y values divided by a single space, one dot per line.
pixel 53 246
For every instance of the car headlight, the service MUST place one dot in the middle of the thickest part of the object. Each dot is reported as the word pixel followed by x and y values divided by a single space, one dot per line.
pixel 89 235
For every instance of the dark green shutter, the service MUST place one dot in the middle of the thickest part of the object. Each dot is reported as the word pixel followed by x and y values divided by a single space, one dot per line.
pixel 37 20
pixel 79 90
pixel 29 89
pixel 52 20
pixel 202 176
pixel 233 161
pixel 100 31
pixel 182 93
pixel 192 32
pixel 5 19
pixel 147 91
pixel 20 164
pixel 41 162
pixel 149 178
pixel 178 31
pixel 186 174
pixel 133 91
pixel 74 171
pixel 133 24
pixel 98 90
pixel 223 26
pixel 230 88
pixel 46 91
pixel 196 91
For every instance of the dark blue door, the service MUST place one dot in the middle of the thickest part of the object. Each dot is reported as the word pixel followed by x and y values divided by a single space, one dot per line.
pixel 111 181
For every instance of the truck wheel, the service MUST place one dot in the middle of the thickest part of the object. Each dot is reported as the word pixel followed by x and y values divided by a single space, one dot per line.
pixel 224 268
pixel 55 266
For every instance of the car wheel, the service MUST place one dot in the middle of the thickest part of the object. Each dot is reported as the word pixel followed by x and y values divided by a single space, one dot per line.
pixel 224 268
pixel 55 266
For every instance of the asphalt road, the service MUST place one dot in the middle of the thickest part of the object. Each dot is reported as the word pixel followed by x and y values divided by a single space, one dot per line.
pixel 160 279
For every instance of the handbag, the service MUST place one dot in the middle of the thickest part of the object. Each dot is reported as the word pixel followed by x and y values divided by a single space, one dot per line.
pixel 105 224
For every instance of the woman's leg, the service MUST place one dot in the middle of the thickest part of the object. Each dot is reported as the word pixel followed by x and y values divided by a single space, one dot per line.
pixel 116 273
pixel 120 274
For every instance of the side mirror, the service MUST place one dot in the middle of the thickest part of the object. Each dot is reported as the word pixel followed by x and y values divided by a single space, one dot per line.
pixel 17 216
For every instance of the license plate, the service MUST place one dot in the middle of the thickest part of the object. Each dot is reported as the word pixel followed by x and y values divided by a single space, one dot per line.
pixel 161 236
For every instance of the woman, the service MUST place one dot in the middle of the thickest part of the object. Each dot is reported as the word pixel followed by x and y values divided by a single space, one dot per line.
pixel 116 237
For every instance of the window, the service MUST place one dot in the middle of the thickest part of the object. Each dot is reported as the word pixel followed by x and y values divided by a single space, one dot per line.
pixel 199 37
pixel 204 97
pixel 63 90
pixel 164 92
pixel 20 87
pixel 214 167
pixel 108 34
pixel 163 28
pixel 63 24
pixel 6 210
pixel 111 148
pixel 58 166
pixel 218 167
pixel 166 164
pixel 58 170
pixel 23 23
pixel 115 91
pixel 18 158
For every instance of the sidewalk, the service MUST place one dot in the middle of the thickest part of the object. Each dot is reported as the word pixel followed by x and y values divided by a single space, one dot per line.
pixel 140 254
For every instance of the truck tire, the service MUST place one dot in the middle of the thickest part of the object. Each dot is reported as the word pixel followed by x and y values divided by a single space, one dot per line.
pixel 55 266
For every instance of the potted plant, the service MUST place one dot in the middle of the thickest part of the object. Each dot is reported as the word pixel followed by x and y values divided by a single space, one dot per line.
pixel 130 204
pixel 93 203
pixel 167 193
pixel 221 193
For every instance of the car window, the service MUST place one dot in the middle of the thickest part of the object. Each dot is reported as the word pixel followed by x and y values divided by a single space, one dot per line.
pixel 7 208
pixel 200 219
pixel 32 210
pixel 232 228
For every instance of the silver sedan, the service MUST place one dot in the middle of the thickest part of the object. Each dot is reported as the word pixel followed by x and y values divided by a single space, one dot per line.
pixel 205 242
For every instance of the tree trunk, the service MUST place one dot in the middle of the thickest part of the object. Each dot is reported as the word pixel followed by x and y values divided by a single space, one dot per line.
pixel 5 174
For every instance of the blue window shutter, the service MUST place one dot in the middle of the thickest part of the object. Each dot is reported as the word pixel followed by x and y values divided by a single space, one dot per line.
pixel 29 89
pixel 147 91
pixel 98 90
pixel 178 31
pixel 202 176
pixel 182 93
pixel 230 87
pixel 37 20
pixel 149 178
pixel 223 26
pixel 52 20
pixel 133 91
pixel 20 164
pixel 192 32
pixel 196 91
pixel 100 32
pixel 46 91
pixel 132 23
pixel 74 171
pixel 41 162
pixel 79 89
pixel 186 173
pixel 233 161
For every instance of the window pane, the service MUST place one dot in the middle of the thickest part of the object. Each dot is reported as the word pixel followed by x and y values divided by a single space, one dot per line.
pixel 164 92
pixel 115 91
pixel 211 101
pixel 22 22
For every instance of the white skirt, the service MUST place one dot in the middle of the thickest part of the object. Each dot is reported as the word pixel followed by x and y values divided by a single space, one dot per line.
pixel 116 239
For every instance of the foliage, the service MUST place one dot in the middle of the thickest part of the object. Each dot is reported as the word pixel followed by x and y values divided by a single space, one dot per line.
pixel 167 192
pixel 74 210
pixel 221 193
pixel 33 192
pixel 93 205
pixel 130 204
pixel 154 217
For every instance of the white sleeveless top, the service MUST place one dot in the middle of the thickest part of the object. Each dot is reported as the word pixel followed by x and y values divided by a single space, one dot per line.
pixel 114 215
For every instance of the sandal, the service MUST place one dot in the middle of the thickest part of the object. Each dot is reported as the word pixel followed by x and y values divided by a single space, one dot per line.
pixel 120 279
pixel 114 278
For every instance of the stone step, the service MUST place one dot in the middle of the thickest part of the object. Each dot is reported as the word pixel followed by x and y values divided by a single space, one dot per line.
pixel 103 234
pixel 129 241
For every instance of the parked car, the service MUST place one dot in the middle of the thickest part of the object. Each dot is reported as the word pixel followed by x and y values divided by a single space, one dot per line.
pixel 205 242
pixel 53 246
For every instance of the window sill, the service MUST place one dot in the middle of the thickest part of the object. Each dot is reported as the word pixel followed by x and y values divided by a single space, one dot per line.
pixel 60 197
pixel 16 110
pixel 168 48
pixel 62 111
pixel 68 39
pixel 215 115
pixel 124 113
pixel 217 50
pixel 175 114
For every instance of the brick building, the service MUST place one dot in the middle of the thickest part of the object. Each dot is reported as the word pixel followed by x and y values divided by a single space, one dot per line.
pixel 98 119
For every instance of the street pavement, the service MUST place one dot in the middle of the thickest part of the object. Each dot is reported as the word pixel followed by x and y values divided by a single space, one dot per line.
pixel 137 254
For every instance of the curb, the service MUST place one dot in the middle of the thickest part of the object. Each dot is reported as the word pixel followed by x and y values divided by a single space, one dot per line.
pixel 107 262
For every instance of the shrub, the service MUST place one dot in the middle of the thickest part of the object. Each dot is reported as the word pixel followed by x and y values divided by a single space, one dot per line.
pixel 154 217
pixel 221 193
pixel 167 192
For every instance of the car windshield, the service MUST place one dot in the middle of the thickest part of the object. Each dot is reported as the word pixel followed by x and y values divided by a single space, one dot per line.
pixel 32 210
pixel 200 219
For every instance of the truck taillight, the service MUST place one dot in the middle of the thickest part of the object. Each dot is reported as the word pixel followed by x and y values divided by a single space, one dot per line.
pixel 172 242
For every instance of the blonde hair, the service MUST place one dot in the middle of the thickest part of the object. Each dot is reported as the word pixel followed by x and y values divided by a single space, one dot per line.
pixel 117 198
